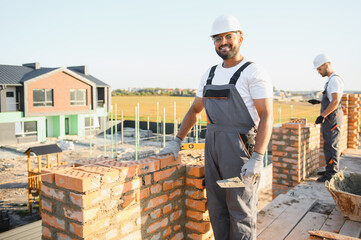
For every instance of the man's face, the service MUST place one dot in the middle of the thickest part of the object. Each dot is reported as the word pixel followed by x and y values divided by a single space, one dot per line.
pixel 227 44
pixel 322 70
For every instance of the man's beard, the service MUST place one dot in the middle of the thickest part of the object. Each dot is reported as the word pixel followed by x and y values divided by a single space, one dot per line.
pixel 230 54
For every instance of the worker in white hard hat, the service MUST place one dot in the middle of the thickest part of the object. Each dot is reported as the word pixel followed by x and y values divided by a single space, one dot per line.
pixel 330 116
pixel 237 96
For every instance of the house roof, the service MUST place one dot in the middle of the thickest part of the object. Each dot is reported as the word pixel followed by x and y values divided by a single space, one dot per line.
pixel 44 149
pixel 17 75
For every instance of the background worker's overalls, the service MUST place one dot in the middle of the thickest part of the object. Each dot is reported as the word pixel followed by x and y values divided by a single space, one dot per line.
pixel 229 143
pixel 331 130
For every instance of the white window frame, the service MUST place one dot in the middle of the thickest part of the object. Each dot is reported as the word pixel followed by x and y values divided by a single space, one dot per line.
pixel 78 102
pixel 47 102
pixel 20 127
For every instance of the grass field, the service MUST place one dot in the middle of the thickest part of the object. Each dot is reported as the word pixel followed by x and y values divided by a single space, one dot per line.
pixel 148 108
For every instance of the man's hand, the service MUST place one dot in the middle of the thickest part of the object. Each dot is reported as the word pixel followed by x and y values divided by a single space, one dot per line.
pixel 172 147
pixel 314 101
pixel 253 166
pixel 319 120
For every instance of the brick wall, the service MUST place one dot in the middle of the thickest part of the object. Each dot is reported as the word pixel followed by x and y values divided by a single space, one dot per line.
pixel 353 111
pixel 153 198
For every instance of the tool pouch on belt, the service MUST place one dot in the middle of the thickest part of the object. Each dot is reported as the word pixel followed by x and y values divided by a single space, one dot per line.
pixel 248 141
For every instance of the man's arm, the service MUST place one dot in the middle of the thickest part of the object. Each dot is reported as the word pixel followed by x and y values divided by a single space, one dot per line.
pixel 332 106
pixel 191 117
pixel 264 108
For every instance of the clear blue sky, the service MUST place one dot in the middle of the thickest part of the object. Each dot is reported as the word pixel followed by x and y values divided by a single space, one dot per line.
pixel 164 43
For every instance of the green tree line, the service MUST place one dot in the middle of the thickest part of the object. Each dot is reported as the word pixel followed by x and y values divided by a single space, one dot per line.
pixel 155 92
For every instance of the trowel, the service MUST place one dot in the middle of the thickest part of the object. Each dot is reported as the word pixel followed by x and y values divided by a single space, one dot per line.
pixel 235 182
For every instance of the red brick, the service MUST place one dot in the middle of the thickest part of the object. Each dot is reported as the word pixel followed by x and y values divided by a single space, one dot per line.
pixel 195 215
pixel 170 184
pixel 157 188
pixel 175 215
pixel 132 236
pixel 148 165
pixel 167 208
pixel 157 225
pixel 144 193
pixel 177 227
pixel 147 180
pixel 88 229
pixel 128 169
pixel 80 215
pixel 127 227
pixel 77 180
pixel 193 182
pixel 46 205
pixel 46 233
pixel 63 236
pixel 53 221
pixel 174 194
pixel 167 232
pixel 126 187
pixel 86 200
pixel 112 234
pixel 53 193
pixel 196 194
pixel 178 236
pixel 164 174
pixel 108 175
pixel 129 200
pixel 128 213
pixel 200 205
pixel 156 214
pixel 167 160
pixel 196 170
pixel 201 227
pixel 155 202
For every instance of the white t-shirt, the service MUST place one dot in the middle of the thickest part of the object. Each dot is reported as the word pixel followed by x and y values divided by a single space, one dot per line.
pixel 335 85
pixel 254 83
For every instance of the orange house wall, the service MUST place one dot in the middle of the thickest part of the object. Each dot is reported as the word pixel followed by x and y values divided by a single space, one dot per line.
pixel 61 83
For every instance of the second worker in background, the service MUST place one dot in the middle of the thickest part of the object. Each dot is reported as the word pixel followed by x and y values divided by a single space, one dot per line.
pixel 237 96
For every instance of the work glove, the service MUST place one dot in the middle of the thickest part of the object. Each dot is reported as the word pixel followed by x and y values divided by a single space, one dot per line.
pixel 314 101
pixel 319 119
pixel 253 166
pixel 172 147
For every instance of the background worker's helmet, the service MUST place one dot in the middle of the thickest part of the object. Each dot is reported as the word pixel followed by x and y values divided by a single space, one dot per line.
pixel 320 60
pixel 225 23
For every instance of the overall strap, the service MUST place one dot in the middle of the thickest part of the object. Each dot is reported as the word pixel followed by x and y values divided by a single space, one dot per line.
pixel 236 75
pixel 211 75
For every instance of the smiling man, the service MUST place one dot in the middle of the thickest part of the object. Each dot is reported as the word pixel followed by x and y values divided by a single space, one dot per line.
pixel 237 96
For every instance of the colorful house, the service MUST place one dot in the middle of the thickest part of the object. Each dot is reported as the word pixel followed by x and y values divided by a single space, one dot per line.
pixel 36 103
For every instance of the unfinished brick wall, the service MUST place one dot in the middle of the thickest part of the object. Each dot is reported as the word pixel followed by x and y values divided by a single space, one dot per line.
pixel 153 198
pixel 353 112
pixel 295 153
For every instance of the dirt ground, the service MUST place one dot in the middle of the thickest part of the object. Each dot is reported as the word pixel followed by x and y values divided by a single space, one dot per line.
pixel 13 176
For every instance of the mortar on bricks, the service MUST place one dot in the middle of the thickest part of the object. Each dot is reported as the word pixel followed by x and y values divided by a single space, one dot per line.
pixel 346 192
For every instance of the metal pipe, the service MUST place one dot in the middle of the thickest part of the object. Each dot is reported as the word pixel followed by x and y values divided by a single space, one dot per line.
pixel 122 128
pixel 157 122
pixel 116 131
pixel 105 134
pixel 135 134
pixel 90 132
pixel 175 120
pixel 163 127
pixel 111 132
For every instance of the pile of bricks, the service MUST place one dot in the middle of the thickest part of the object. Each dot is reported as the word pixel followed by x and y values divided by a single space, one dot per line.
pixel 295 153
pixel 353 109
pixel 152 198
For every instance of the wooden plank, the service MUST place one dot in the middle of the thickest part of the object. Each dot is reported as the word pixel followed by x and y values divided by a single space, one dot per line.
pixel 351 228
pixel 289 218
pixel 13 232
pixel 269 213
pixel 334 222
pixel 331 235
pixel 310 221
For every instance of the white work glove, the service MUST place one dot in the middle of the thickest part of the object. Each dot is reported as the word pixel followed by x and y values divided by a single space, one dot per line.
pixel 172 147
pixel 253 166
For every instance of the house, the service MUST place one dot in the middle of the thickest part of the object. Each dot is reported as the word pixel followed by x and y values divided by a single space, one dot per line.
pixel 37 102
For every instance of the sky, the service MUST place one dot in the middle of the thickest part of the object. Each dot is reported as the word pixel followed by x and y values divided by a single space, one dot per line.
pixel 166 43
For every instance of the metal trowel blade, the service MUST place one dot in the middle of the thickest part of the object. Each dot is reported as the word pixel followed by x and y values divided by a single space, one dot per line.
pixel 231 183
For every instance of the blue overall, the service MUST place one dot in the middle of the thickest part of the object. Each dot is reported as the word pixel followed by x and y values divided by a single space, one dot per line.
pixel 229 144
pixel 331 131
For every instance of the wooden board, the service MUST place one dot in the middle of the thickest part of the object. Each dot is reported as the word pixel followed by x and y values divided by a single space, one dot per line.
pixel 269 213
pixel 310 221
pixel 334 221
pixel 351 228
pixel 287 220
pixel 23 231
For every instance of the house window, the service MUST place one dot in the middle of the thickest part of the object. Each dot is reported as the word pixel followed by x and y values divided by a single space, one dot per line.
pixel 10 94
pixel 26 128
pixel 42 97
pixel 78 97
pixel 92 122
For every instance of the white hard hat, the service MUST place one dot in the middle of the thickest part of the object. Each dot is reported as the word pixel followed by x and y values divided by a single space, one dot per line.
pixel 320 60
pixel 225 23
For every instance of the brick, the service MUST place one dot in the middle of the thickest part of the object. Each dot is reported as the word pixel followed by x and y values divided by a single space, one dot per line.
pixel 127 227
pixel 87 200
pixel 196 194
pixel 128 169
pixel 80 215
pixel 53 193
pixel 199 216
pixel 193 182
pixel 53 221
pixel 174 194
pixel 167 208
pixel 203 236
pixel 155 202
pixel 126 187
pixel 157 188
pixel 170 184
pixel 196 170
pixel 175 215
pixel 167 232
pixel 176 227
pixel 200 205
pixel 144 193
pixel 88 229
pixel 157 225
pixel 142 220
pixel 126 214
pixel 63 236
pixel 112 234
pixel 46 205
pixel 108 175
pixel 77 180
pixel 46 233
pixel 132 236
pixel 164 174
pixel 129 200
pixel 167 160
pixel 147 180
pixel 201 227
pixel 148 165
pixel 156 214
pixel 178 236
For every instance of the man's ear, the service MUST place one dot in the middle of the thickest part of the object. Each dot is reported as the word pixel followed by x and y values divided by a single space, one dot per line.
pixel 240 40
